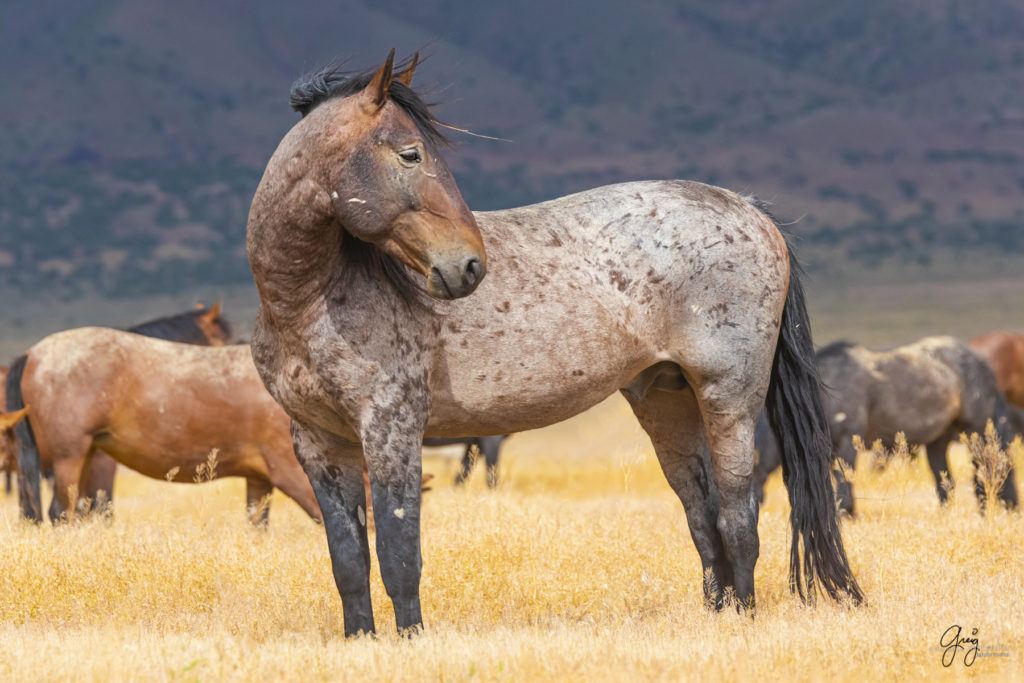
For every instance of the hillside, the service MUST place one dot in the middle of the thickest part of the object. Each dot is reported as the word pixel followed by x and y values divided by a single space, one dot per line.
pixel 135 132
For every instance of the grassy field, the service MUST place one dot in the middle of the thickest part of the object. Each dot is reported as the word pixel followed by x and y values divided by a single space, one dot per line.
pixel 579 567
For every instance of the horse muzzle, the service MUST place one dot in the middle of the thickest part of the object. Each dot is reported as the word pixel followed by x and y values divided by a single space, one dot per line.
pixel 456 277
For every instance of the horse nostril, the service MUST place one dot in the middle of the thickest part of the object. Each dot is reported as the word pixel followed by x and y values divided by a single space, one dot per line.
pixel 472 272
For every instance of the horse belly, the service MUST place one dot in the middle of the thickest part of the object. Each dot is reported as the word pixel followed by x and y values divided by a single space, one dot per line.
pixel 530 386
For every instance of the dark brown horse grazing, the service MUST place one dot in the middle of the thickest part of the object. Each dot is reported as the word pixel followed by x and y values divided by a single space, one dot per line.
pixel 932 390
pixel 157 407
pixel 682 295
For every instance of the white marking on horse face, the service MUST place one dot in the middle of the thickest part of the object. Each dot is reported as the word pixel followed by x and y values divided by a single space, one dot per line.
pixel 400 513
pixel 839 417
pixel 356 200
pixel 361 514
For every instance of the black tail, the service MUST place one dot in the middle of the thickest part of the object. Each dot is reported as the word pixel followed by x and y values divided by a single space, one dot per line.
pixel 28 452
pixel 798 419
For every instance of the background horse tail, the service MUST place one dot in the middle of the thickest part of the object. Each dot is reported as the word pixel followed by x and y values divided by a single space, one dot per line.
pixel 27 451
pixel 798 419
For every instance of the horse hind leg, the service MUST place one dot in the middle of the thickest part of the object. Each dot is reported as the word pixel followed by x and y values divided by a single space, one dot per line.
pixel 673 422
pixel 730 417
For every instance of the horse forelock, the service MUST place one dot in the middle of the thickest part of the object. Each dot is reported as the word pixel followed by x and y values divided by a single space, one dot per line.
pixel 313 89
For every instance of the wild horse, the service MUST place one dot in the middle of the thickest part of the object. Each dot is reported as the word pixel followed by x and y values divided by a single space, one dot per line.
pixel 1004 352
pixel 932 390
pixel 156 406
pixel 203 325
pixel 682 295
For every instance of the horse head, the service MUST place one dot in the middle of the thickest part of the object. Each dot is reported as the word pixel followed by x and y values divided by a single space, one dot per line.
pixel 389 185
pixel 8 463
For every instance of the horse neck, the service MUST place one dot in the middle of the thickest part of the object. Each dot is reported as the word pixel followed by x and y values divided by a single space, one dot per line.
pixel 294 244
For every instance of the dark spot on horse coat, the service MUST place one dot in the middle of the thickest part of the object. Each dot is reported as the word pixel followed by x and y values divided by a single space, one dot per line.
pixel 555 242
pixel 505 307
pixel 577 373
pixel 619 280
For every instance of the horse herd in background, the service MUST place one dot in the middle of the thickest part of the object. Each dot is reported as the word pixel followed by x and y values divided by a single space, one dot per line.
pixel 684 297
pixel 91 412
pixel 159 398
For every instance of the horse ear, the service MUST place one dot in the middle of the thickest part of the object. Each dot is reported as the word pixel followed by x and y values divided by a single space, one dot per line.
pixel 407 73
pixel 8 420
pixel 212 314
pixel 380 84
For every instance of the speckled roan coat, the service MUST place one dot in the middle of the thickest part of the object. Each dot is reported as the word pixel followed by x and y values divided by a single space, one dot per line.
pixel 670 291
pixel 932 390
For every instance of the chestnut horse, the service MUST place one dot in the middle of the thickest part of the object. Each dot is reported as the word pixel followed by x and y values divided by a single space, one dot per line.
pixel 1004 352
pixel 932 390
pixel 681 295
pixel 156 406
pixel 202 325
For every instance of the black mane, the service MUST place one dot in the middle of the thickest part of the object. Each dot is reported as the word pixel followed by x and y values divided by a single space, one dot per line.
pixel 313 89
pixel 183 327
pixel 836 348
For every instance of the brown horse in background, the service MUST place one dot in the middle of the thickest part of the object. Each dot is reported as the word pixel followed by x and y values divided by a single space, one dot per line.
pixel 204 326
pixel 157 407
pixel 1004 352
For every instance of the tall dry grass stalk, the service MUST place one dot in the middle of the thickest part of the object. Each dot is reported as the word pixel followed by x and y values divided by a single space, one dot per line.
pixel 993 463
pixel 572 570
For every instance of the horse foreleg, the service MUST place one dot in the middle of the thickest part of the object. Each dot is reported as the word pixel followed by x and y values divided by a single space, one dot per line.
pixel 396 480
pixel 335 470
pixel 673 422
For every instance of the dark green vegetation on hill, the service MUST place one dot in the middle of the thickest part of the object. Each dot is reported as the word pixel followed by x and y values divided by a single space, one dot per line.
pixel 135 132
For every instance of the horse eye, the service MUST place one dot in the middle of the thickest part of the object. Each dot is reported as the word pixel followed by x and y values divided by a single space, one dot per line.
pixel 411 155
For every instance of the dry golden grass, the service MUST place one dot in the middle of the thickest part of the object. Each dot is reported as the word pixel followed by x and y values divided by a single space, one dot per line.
pixel 579 568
